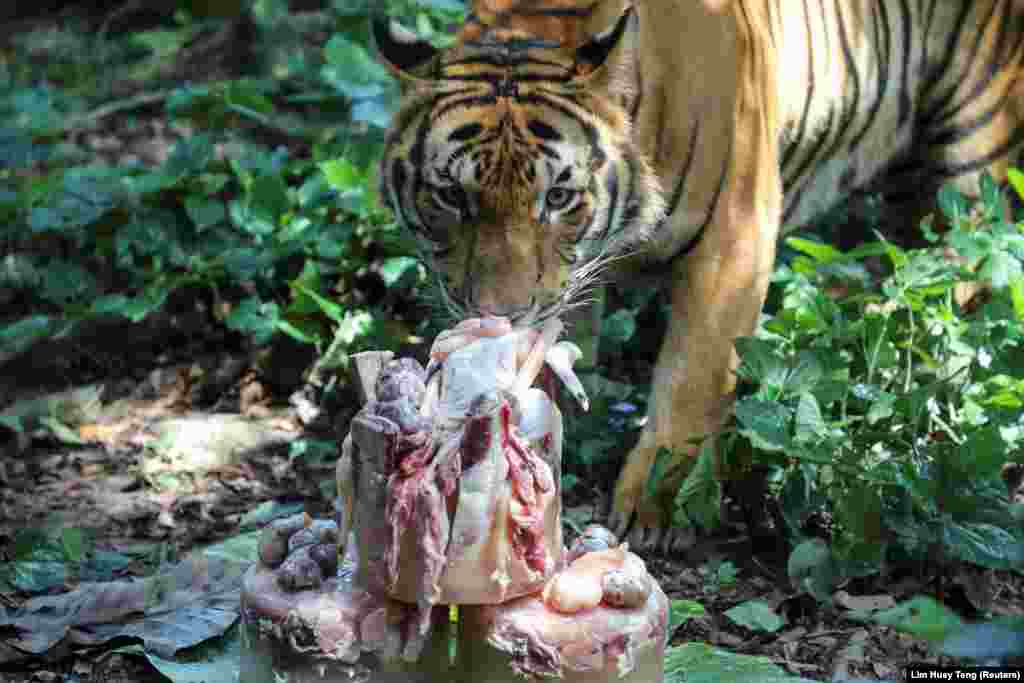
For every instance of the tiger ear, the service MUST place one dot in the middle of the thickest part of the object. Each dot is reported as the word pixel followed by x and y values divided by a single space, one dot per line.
pixel 592 57
pixel 403 52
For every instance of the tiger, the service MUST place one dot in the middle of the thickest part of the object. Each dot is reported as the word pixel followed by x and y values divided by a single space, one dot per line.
pixel 557 142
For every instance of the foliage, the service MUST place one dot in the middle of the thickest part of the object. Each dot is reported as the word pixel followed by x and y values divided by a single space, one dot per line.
pixel 886 404
pixel 277 240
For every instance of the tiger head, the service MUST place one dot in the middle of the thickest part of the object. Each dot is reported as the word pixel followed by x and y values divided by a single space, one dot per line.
pixel 511 161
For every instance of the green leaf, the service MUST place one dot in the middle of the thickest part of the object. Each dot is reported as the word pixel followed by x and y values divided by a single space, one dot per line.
pixel 217 659
pixel 392 269
pixel 1001 269
pixel 331 309
pixel 1017 296
pixel 985 545
pixel 255 318
pixel 756 615
pixel 702 663
pixel 1016 179
pixel 922 617
pixel 189 156
pixel 760 362
pixel 806 373
pixel 881 407
pixel 341 174
pixel 352 71
pixel 811 568
pixel 681 611
pixel 699 499
pixel 810 425
pixel 952 203
pixel 21 334
pixel 765 423
pixel 821 253
pixel 205 212
pixel 983 453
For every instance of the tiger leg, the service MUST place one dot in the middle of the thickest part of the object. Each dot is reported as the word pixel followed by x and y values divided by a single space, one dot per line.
pixel 717 294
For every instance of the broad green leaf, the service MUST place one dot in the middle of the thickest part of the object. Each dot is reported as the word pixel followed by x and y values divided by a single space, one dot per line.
pixel 821 253
pixel 983 453
pixel 922 617
pixel 765 423
pixel 952 203
pixel 1001 269
pixel 699 499
pixel 811 568
pixel 761 362
pixel 681 611
pixel 352 70
pixel 756 615
pixel 256 318
pixel 807 371
pixel 702 663
pixel 999 639
pixel 21 334
pixel 810 425
pixel 217 659
pixel 342 174
pixel 985 545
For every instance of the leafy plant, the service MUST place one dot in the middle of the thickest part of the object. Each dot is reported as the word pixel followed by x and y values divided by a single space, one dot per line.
pixel 886 403
pixel 276 242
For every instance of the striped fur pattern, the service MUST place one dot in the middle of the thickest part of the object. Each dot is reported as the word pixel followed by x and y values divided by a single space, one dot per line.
pixel 545 146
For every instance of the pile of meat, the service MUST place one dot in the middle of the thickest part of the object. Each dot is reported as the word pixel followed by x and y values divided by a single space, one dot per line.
pixel 449 494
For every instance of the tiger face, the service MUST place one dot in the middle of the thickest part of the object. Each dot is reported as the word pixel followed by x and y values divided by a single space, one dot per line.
pixel 513 170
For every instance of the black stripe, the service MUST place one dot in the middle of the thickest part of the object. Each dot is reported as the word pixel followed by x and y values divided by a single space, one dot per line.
pixel 943 101
pixel 787 155
pixel 993 70
pixel 937 74
pixel 943 170
pixel 630 204
pixel 513 44
pixel 465 103
pixel 905 100
pixel 880 21
pixel 849 103
pixel 684 173
pixel 612 185
pixel 503 62
pixel 959 131
pixel 548 100
pixel 692 244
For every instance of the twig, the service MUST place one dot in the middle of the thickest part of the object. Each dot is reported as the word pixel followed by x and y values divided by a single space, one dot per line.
pixel 91 118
